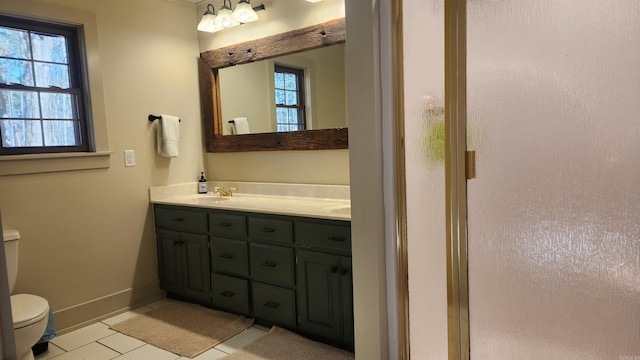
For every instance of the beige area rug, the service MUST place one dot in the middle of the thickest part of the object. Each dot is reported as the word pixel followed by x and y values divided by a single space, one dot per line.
pixel 280 344
pixel 182 328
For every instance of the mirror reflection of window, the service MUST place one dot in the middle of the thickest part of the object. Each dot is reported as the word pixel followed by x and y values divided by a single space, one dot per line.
pixel 289 90
pixel 248 90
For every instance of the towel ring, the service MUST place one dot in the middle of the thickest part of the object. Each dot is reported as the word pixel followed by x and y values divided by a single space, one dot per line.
pixel 153 118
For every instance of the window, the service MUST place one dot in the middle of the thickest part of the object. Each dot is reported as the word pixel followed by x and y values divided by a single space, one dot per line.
pixel 289 86
pixel 42 107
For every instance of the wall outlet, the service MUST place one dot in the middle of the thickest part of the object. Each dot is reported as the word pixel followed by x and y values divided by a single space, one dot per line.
pixel 129 158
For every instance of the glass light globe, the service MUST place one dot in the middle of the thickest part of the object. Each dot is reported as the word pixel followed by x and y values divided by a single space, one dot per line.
pixel 244 13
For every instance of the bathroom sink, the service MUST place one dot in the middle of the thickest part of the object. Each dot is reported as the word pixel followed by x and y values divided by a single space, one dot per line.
pixel 208 200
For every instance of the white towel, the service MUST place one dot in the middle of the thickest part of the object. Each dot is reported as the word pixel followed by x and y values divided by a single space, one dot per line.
pixel 241 125
pixel 168 134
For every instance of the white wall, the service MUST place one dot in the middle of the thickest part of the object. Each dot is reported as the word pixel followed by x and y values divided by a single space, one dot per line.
pixel 87 236
pixel 365 152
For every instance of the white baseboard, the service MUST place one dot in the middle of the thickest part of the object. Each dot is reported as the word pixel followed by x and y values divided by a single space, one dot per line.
pixel 90 312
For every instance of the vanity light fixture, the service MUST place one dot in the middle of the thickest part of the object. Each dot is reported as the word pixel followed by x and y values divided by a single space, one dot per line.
pixel 208 22
pixel 244 13
pixel 314 1
pixel 226 18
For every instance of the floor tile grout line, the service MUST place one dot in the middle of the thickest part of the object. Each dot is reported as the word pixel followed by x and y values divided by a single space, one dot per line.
pixel 121 353
pixel 66 352
pixel 96 340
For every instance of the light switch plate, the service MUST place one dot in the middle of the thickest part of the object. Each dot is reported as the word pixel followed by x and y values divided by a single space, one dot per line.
pixel 129 158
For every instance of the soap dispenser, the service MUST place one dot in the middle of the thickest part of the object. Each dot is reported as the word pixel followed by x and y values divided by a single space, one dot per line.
pixel 202 184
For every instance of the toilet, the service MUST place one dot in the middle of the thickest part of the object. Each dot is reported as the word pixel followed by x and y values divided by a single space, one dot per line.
pixel 30 313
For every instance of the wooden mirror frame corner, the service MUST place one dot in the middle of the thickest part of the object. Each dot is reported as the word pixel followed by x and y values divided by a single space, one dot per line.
pixel 308 38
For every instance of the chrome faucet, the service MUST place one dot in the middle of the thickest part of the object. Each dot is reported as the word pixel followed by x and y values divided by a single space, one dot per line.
pixel 223 191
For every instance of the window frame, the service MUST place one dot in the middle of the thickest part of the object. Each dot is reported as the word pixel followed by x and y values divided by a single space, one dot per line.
pixel 301 93
pixel 78 83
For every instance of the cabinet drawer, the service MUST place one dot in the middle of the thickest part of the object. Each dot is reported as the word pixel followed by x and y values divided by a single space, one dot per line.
pixel 271 230
pixel 272 264
pixel 229 225
pixel 323 236
pixel 230 256
pixel 230 293
pixel 181 219
pixel 274 304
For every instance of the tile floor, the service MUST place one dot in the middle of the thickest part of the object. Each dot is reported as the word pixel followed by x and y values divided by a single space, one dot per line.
pixel 98 342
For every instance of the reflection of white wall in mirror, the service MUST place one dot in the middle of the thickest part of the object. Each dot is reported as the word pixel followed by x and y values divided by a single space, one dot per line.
pixel 329 88
pixel 247 90
pixel 243 92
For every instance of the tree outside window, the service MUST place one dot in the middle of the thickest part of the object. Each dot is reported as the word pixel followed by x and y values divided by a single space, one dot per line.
pixel 290 109
pixel 42 108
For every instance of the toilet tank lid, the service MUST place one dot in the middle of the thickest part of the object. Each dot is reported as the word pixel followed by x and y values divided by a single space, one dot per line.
pixel 10 235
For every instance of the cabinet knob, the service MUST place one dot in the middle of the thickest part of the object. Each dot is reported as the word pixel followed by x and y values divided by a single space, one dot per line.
pixel 227 294
pixel 226 256
pixel 344 272
pixel 333 269
pixel 225 224
pixel 267 230
pixel 177 219
pixel 269 264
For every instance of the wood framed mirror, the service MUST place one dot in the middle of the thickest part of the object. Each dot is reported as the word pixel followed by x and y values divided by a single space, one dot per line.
pixel 209 65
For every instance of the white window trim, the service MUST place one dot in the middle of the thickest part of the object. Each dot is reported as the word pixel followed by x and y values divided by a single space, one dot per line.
pixel 43 163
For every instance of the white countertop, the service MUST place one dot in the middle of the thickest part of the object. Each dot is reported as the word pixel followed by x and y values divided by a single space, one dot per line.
pixel 306 206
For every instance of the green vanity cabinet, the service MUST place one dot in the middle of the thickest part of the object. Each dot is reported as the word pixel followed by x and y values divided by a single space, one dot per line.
pixel 325 296
pixel 183 252
pixel 290 271
pixel 183 264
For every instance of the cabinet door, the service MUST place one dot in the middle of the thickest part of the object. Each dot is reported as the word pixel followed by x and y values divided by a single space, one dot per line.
pixel 169 260
pixel 319 294
pixel 195 265
pixel 346 282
